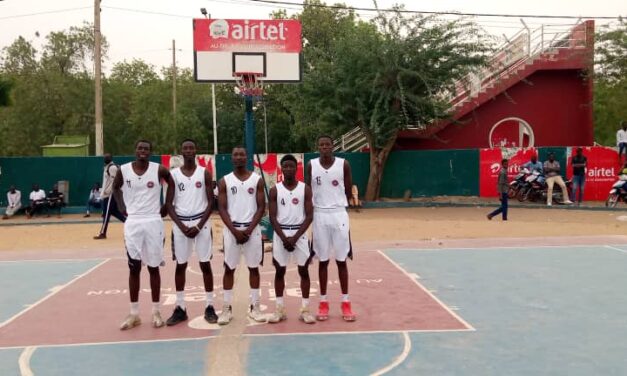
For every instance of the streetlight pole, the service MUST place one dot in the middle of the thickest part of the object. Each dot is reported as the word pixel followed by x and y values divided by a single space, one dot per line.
pixel 97 80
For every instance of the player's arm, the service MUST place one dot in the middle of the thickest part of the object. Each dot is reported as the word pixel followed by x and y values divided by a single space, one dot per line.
pixel 117 189
pixel 169 204
pixel 261 208
pixel 209 193
pixel 348 181
pixel 308 174
pixel 164 175
pixel 309 212
pixel 274 210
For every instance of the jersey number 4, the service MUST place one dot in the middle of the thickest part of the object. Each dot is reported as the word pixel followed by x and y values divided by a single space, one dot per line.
pixel 283 201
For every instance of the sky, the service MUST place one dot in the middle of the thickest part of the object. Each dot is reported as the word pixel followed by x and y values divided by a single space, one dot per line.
pixel 144 29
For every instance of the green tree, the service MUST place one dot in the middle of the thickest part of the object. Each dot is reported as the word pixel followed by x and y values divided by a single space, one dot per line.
pixel 610 90
pixel 388 75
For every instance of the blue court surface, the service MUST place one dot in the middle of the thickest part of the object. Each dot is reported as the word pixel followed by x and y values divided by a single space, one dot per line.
pixel 558 310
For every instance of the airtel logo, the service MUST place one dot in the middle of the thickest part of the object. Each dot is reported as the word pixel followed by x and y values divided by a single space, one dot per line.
pixel 220 29
pixel 598 172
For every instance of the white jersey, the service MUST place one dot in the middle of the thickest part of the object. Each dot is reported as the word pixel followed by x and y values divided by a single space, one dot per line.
pixel 328 185
pixel 290 205
pixel 241 198
pixel 142 194
pixel 190 197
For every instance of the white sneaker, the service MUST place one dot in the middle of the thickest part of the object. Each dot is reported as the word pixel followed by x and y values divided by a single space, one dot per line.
pixel 306 316
pixel 225 316
pixel 130 321
pixel 568 202
pixel 278 315
pixel 157 321
pixel 549 204
pixel 255 313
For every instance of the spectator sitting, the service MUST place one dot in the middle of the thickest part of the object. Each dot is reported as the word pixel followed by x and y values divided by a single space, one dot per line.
pixel 552 171
pixel 55 200
pixel 37 201
pixel 14 199
pixel 94 199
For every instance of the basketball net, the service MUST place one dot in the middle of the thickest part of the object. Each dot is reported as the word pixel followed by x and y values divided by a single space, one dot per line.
pixel 249 83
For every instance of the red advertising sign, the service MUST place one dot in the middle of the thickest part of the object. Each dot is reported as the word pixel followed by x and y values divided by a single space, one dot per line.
pixel 247 35
pixel 601 172
pixel 490 166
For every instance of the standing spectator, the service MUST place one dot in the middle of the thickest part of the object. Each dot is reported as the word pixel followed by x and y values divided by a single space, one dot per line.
pixel 502 187
pixel 37 201
pixel 579 175
pixel 14 199
pixel 621 141
pixel 552 173
pixel 94 199
pixel 56 200
pixel 109 204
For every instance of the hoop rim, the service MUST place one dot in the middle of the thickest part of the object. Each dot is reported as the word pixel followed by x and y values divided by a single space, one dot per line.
pixel 249 83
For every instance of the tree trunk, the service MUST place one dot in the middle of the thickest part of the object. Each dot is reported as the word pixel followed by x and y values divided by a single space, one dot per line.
pixel 378 158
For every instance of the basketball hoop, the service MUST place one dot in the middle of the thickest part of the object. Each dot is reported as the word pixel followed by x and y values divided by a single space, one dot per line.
pixel 249 83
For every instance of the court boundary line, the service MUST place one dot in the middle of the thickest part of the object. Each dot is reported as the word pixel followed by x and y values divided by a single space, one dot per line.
pixel 58 260
pixel 456 316
pixel 56 290
pixel 24 361
pixel 496 248
pixel 615 248
pixel 398 360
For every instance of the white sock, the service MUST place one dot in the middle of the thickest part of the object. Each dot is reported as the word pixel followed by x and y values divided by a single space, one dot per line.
pixel 155 307
pixel 134 308
pixel 279 301
pixel 323 298
pixel 305 302
pixel 345 298
pixel 180 299
pixel 228 296
pixel 208 298
pixel 254 296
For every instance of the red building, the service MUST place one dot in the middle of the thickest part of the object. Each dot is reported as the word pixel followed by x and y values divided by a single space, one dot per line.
pixel 536 92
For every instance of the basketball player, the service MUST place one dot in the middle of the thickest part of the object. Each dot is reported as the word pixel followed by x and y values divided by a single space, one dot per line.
pixel 139 182
pixel 330 180
pixel 190 210
pixel 291 213
pixel 241 205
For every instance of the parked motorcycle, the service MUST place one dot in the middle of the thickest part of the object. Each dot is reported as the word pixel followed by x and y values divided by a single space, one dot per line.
pixel 618 192
pixel 538 189
pixel 517 183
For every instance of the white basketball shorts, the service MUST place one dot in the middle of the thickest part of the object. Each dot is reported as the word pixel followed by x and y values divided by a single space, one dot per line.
pixel 300 255
pixel 182 246
pixel 331 234
pixel 144 238
pixel 252 249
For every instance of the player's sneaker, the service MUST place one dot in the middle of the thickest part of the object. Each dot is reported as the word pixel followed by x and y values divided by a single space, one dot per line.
pixel 225 316
pixel 179 315
pixel 279 315
pixel 323 311
pixel 347 312
pixel 306 316
pixel 210 315
pixel 157 321
pixel 130 321
pixel 254 313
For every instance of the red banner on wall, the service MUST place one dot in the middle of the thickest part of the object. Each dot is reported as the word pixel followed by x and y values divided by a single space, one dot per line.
pixel 490 167
pixel 601 172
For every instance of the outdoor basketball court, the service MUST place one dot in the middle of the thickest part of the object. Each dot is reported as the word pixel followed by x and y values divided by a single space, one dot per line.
pixel 481 307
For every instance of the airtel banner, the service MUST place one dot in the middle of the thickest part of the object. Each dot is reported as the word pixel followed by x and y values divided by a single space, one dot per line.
pixel 601 171
pixel 247 35
pixel 490 166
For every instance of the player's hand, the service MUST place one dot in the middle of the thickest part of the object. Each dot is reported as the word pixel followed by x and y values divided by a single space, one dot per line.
pixel 164 211
pixel 184 229
pixel 240 237
pixel 192 232
pixel 290 243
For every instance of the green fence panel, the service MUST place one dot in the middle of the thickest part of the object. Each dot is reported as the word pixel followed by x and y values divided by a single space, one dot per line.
pixel 81 172
pixel 431 173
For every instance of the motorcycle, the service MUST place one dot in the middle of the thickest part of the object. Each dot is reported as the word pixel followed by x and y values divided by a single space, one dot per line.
pixel 538 190
pixel 618 192
pixel 517 183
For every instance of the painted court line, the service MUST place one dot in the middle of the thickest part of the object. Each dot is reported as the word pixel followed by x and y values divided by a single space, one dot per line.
pixel 24 361
pixel 467 325
pixel 615 249
pixel 399 359
pixel 56 260
pixel 51 294
pixel 493 248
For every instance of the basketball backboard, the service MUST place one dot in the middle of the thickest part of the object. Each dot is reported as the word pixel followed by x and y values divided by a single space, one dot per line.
pixel 223 48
